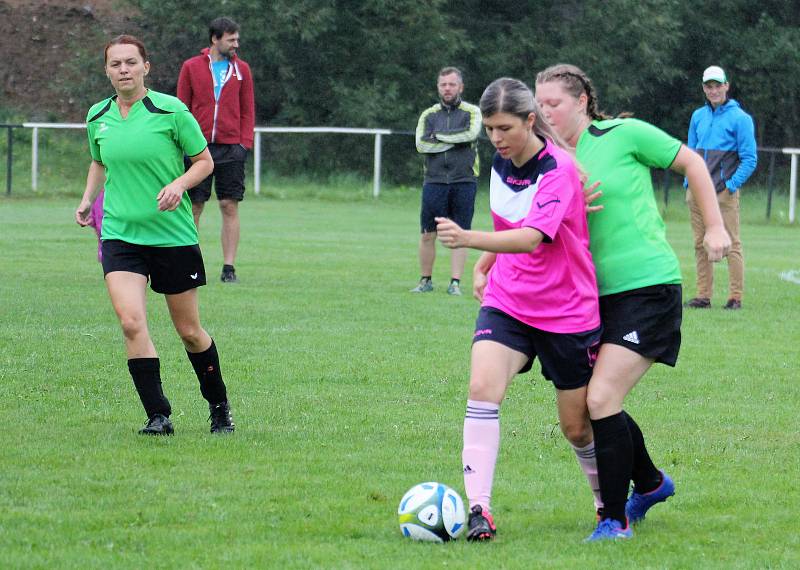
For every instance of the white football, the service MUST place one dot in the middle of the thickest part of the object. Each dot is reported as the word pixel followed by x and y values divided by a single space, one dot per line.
pixel 432 512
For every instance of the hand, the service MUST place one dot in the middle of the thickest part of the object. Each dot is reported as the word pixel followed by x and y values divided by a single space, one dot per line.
pixel 716 242
pixel 450 233
pixel 590 194
pixel 170 196
pixel 83 215
pixel 479 281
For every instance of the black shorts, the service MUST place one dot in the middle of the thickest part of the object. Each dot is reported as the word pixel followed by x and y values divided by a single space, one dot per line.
pixel 646 321
pixel 567 358
pixel 228 174
pixel 171 270
pixel 454 201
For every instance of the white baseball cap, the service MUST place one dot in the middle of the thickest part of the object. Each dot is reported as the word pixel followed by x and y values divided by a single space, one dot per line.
pixel 714 73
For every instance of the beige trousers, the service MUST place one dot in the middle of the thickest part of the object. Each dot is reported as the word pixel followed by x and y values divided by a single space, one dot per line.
pixel 729 206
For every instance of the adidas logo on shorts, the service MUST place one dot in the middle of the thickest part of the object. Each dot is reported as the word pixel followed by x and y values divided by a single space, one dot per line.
pixel 632 337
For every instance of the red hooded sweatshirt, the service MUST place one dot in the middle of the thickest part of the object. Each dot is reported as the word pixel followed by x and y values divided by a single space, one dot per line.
pixel 229 120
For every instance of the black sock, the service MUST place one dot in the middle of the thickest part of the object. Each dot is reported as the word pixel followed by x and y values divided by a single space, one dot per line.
pixel 425 278
pixel 206 366
pixel 614 451
pixel 146 376
pixel 454 280
pixel 226 268
pixel 646 477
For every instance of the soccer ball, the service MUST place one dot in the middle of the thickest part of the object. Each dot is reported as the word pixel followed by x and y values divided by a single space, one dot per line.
pixel 432 512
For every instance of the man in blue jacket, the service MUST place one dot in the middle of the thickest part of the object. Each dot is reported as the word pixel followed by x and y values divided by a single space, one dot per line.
pixel 723 134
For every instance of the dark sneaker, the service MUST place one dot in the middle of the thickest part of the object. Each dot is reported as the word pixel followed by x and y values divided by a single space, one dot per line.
pixel 481 525
pixel 454 289
pixel 221 419
pixel 698 303
pixel 639 503
pixel 733 305
pixel 610 529
pixel 229 276
pixel 157 424
pixel 424 286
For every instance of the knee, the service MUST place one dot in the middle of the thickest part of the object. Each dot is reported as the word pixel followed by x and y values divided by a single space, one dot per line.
pixel 600 403
pixel 229 208
pixel 133 325
pixel 578 433
pixel 191 335
pixel 428 237
pixel 482 390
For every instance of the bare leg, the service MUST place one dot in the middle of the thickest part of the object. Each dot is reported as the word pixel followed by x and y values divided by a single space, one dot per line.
pixel 197 209
pixel 457 261
pixel 573 415
pixel 230 230
pixel 128 296
pixel 493 368
pixel 183 309
pixel 427 252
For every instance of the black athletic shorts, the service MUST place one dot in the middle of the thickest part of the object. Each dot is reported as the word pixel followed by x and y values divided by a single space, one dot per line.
pixel 646 321
pixel 567 358
pixel 171 270
pixel 454 201
pixel 228 175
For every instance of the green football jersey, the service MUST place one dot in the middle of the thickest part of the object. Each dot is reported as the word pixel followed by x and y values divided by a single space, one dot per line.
pixel 628 238
pixel 141 154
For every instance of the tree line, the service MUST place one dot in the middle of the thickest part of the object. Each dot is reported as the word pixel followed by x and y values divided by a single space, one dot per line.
pixel 373 63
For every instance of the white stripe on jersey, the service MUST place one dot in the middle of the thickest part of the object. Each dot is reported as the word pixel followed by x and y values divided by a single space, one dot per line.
pixel 510 205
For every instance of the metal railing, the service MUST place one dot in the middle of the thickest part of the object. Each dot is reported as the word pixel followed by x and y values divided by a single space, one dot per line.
pixel 376 161
pixel 792 180
pixel 376 177
pixel 10 152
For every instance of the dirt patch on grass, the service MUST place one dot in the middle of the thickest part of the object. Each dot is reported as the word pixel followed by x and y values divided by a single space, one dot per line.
pixel 52 55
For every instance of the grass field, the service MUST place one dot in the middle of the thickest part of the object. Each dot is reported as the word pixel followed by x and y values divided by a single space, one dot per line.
pixel 346 391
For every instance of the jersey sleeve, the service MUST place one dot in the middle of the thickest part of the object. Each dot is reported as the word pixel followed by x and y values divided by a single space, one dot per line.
pixel 550 204
pixel 188 133
pixel 651 146
pixel 94 148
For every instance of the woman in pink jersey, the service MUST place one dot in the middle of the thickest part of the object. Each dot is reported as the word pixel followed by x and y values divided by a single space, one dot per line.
pixel 536 284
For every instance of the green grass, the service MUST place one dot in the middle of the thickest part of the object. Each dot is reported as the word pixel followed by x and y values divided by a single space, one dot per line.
pixel 346 391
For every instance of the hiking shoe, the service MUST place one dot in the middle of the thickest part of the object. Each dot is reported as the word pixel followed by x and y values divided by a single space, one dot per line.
pixel 228 276
pixel 698 303
pixel 481 525
pixel 157 424
pixel 221 419
pixel 639 503
pixel 424 286
pixel 454 289
pixel 610 529
pixel 733 304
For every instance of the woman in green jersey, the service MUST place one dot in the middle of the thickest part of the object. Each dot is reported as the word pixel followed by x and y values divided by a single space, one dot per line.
pixel 137 140
pixel 638 278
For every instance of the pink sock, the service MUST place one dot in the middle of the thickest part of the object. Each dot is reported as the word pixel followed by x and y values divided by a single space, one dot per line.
pixel 481 442
pixel 588 462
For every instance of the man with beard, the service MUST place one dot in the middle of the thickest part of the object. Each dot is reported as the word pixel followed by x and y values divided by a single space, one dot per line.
pixel 447 135
pixel 217 87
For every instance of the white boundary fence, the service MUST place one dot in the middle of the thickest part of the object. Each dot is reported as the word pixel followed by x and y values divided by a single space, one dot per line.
pixel 35 144
pixel 376 166
pixel 377 133
pixel 792 180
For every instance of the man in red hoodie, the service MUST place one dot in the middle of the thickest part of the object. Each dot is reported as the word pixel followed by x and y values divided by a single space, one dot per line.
pixel 217 87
